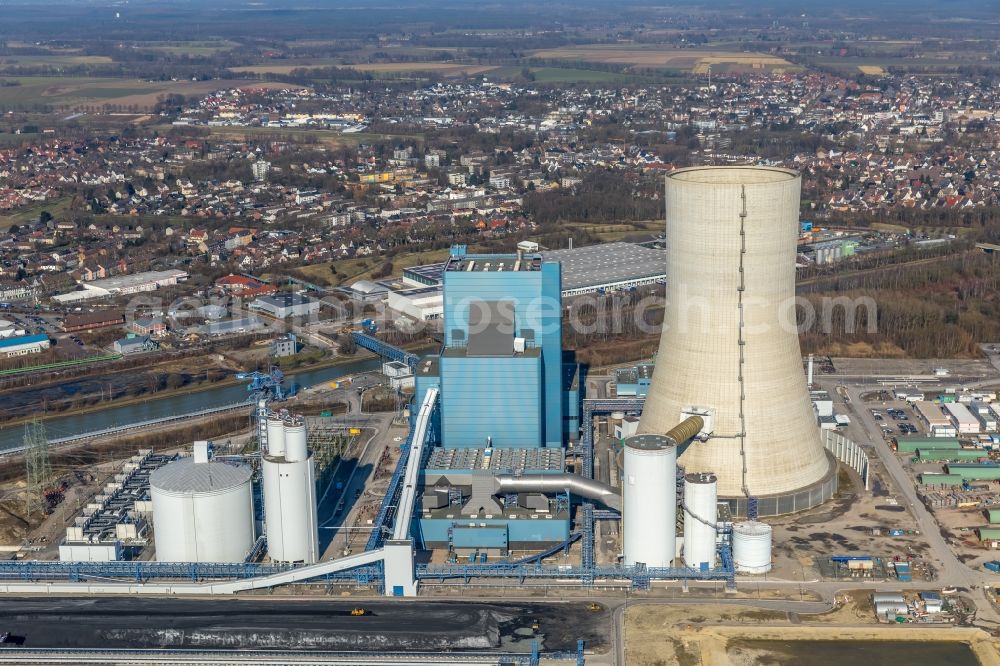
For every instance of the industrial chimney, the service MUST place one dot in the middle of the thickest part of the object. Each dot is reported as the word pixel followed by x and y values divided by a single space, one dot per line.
pixel 729 350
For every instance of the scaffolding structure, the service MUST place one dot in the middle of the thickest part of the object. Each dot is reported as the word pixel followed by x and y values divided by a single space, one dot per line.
pixel 37 465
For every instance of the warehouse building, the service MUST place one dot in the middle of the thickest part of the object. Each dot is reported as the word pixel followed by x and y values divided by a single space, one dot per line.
pixel 366 291
pixel 231 326
pixel 936 421
pixel 122 284
pixel 585 270
pixel 23 345
pixel 962 419
pixel 421 304
pixel 91 321
pixel 281 306
pixel 135 345
pixel 913 444
pixel 608 267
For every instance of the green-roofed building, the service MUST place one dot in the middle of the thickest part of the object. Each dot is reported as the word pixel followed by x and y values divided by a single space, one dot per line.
pixel 932 479
pixel 989 533
pixel 945 455
pixel 993 515
pixel 911 444
pixel 974 472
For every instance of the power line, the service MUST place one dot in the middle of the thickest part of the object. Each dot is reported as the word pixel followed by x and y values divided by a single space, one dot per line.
pixel 37 464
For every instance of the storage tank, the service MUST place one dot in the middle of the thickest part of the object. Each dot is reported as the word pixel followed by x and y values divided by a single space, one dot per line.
pixel 275 436
pixel 202 512
pixel 296 447
pixel 729 346
pixel 752 547
pixel 700 515
pixel 290 499
pixel 649 511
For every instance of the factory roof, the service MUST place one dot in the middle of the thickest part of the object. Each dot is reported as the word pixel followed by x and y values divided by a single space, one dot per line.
pixel 607 264
pixel 283 300
pixel 421 292
pixel 368 287
pixel 647 442
pixel 464 352
pixel 493 263
pixel 499 460
pixel 22 340
pixel 185 477
pixel 584 268
pixel 429 366
pixel 119 282
pixel 634 374
pixel 430 272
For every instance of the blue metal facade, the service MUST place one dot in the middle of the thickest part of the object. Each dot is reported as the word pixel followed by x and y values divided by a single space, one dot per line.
pixel 532 530
pixel 534 296
pixel 495 397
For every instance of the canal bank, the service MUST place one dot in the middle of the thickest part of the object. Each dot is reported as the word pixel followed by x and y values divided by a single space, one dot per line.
pixel 174 403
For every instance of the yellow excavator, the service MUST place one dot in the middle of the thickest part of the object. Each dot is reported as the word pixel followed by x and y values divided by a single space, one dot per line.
pixel 359 612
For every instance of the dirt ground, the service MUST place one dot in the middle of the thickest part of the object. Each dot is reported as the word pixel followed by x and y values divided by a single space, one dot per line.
pixel 702 636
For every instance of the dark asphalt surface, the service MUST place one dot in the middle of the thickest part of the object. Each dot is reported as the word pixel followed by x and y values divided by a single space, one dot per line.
pixel 317 624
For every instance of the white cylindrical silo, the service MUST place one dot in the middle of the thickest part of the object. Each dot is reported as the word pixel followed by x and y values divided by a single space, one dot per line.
pixel 752 547
pixel 275 436
pixel 290 500
pixel 296 446
pixel 700 517
pixel 202 512
pixel 649 511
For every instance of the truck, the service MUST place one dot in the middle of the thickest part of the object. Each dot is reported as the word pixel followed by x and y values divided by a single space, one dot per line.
pixel 993 566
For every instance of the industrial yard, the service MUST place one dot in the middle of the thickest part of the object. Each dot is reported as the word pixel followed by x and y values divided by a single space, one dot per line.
pixel 758 491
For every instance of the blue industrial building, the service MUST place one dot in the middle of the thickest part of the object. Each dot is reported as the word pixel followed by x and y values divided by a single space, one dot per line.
pixel 455 511
pixel 500 370
pixel 633 381
pixel 509 399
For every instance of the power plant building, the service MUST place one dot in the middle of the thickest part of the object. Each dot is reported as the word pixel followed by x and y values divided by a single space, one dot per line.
pixel 727 351
pixel 500 369
pixel 508 399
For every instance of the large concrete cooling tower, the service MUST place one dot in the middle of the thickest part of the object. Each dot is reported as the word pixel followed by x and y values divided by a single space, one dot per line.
pixel 729 348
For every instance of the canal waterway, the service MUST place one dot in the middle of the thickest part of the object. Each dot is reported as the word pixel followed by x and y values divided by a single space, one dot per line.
pixel 154 408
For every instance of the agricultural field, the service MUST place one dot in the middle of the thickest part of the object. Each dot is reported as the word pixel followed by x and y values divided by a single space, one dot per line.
pixel 71 93
pixel 877 65
pixel 205 48
pixel 286 67
pixel 386 68
pixel 331 138
pixel 691 60
pixel 443 68
pixel 561 75
pixel 61 60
